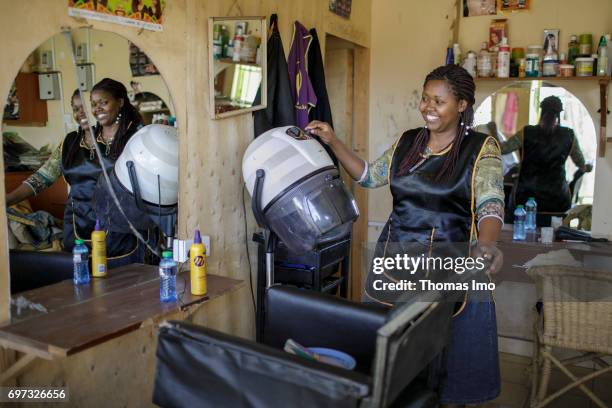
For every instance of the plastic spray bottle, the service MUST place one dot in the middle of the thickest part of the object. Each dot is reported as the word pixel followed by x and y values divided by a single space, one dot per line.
pixel 98 252
pixel 197 265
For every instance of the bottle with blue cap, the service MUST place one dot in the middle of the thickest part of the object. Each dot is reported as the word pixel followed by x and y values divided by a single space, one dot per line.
pixel 167 278
pixel 80 261
pixel 531 208
pixel 519 233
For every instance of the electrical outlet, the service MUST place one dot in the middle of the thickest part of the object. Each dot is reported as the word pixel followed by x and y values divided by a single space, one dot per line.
pixel 206 242
pixel 180 248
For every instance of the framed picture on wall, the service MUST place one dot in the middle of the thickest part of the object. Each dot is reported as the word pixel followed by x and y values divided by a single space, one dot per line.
pixel 472 8
pixel 513 5
pixel 341 7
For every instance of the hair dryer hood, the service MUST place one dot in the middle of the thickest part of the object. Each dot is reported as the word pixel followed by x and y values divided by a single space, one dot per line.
pixel 303 199
pixel 153 150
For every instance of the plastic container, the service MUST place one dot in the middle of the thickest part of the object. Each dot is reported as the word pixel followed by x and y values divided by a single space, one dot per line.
pixel 197 265
pixel 98 252
pixel 167 278
pixel 602 57
pixel 450 58
pixel 566 70
pixel 573 50
pixel 519 233
pixel 80 261
pixel 532 65
pixel 469 63
pixel 456 54
pixel 585 44
pixel 584 66
pixel 503 59
pixel 550 68
pixel 483 64
pixel 531 208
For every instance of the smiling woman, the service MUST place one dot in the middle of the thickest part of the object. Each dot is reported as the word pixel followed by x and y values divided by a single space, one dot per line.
pixel 42 195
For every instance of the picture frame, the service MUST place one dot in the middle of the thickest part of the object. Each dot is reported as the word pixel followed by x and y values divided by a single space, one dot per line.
pixel 474 8
pixel 551 35
pixel 513 5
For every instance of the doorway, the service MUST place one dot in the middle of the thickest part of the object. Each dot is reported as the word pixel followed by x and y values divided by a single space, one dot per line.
pixel 347 78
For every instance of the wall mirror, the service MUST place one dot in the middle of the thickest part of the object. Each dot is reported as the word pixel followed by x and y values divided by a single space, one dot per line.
pixel 237 60
pixel 511 109
pixel 38 116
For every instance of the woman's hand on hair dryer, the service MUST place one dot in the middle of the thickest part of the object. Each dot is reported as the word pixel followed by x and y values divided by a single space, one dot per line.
pixel 324 131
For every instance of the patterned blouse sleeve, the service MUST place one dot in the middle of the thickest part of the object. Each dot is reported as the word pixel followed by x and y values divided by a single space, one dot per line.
pixel 46 175
pixel 376 173
pixel 489 182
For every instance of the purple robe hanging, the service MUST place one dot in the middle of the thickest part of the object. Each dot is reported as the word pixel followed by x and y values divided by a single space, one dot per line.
pixel 301 87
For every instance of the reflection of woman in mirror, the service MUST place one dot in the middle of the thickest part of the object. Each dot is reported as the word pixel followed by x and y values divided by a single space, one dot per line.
pixel 46 175
pixel 545 149
pixel 117 120
pixel 447 187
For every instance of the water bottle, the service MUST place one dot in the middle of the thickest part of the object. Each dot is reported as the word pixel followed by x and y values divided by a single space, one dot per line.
pixel 519 224
pixel 80 260
pixel 167 278
pixel 531 207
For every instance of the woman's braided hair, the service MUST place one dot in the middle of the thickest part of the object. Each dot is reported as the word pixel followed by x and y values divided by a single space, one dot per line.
pixel 551 114
pixel 462 86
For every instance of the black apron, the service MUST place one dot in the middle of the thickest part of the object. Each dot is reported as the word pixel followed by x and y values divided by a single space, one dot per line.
pixel 427 211
pixel 542 174
pixel 80 216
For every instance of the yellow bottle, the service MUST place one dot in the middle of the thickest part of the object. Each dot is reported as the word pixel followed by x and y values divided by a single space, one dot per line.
pixel 98 252
pixel 197 265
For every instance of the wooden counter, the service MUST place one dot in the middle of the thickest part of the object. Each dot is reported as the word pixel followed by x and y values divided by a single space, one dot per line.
pixel 80 317
pixel 517 253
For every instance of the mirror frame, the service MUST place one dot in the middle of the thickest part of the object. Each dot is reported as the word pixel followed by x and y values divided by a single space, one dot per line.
pixel 211 63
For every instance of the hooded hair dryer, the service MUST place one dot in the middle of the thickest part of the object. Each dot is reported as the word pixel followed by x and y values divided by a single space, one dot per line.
pixel 296 189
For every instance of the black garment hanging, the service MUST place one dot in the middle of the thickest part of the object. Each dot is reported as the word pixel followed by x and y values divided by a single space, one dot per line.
pixel 279 111
pixel 316 72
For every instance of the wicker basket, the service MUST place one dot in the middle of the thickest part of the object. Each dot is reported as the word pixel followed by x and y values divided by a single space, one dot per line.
pixel 577 307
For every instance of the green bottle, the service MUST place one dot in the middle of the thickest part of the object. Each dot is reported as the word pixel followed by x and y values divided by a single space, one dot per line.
pixel 573 50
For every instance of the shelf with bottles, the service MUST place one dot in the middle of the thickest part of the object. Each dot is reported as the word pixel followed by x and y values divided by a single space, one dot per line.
pixel 605 79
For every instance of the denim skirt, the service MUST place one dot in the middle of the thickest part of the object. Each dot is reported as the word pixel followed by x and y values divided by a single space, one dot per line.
pixel 471 368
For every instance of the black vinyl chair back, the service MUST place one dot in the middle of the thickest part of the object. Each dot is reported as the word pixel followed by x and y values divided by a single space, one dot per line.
pixel 414 336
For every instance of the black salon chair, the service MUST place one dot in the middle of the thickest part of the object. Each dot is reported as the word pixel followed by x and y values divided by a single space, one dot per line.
pixel 201 367
pixel 34 269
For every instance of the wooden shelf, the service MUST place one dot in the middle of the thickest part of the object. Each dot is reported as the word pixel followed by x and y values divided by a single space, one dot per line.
pixel 574 78
pixel 231 61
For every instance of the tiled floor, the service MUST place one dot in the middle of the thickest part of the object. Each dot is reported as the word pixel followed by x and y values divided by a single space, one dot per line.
pixel 516 382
